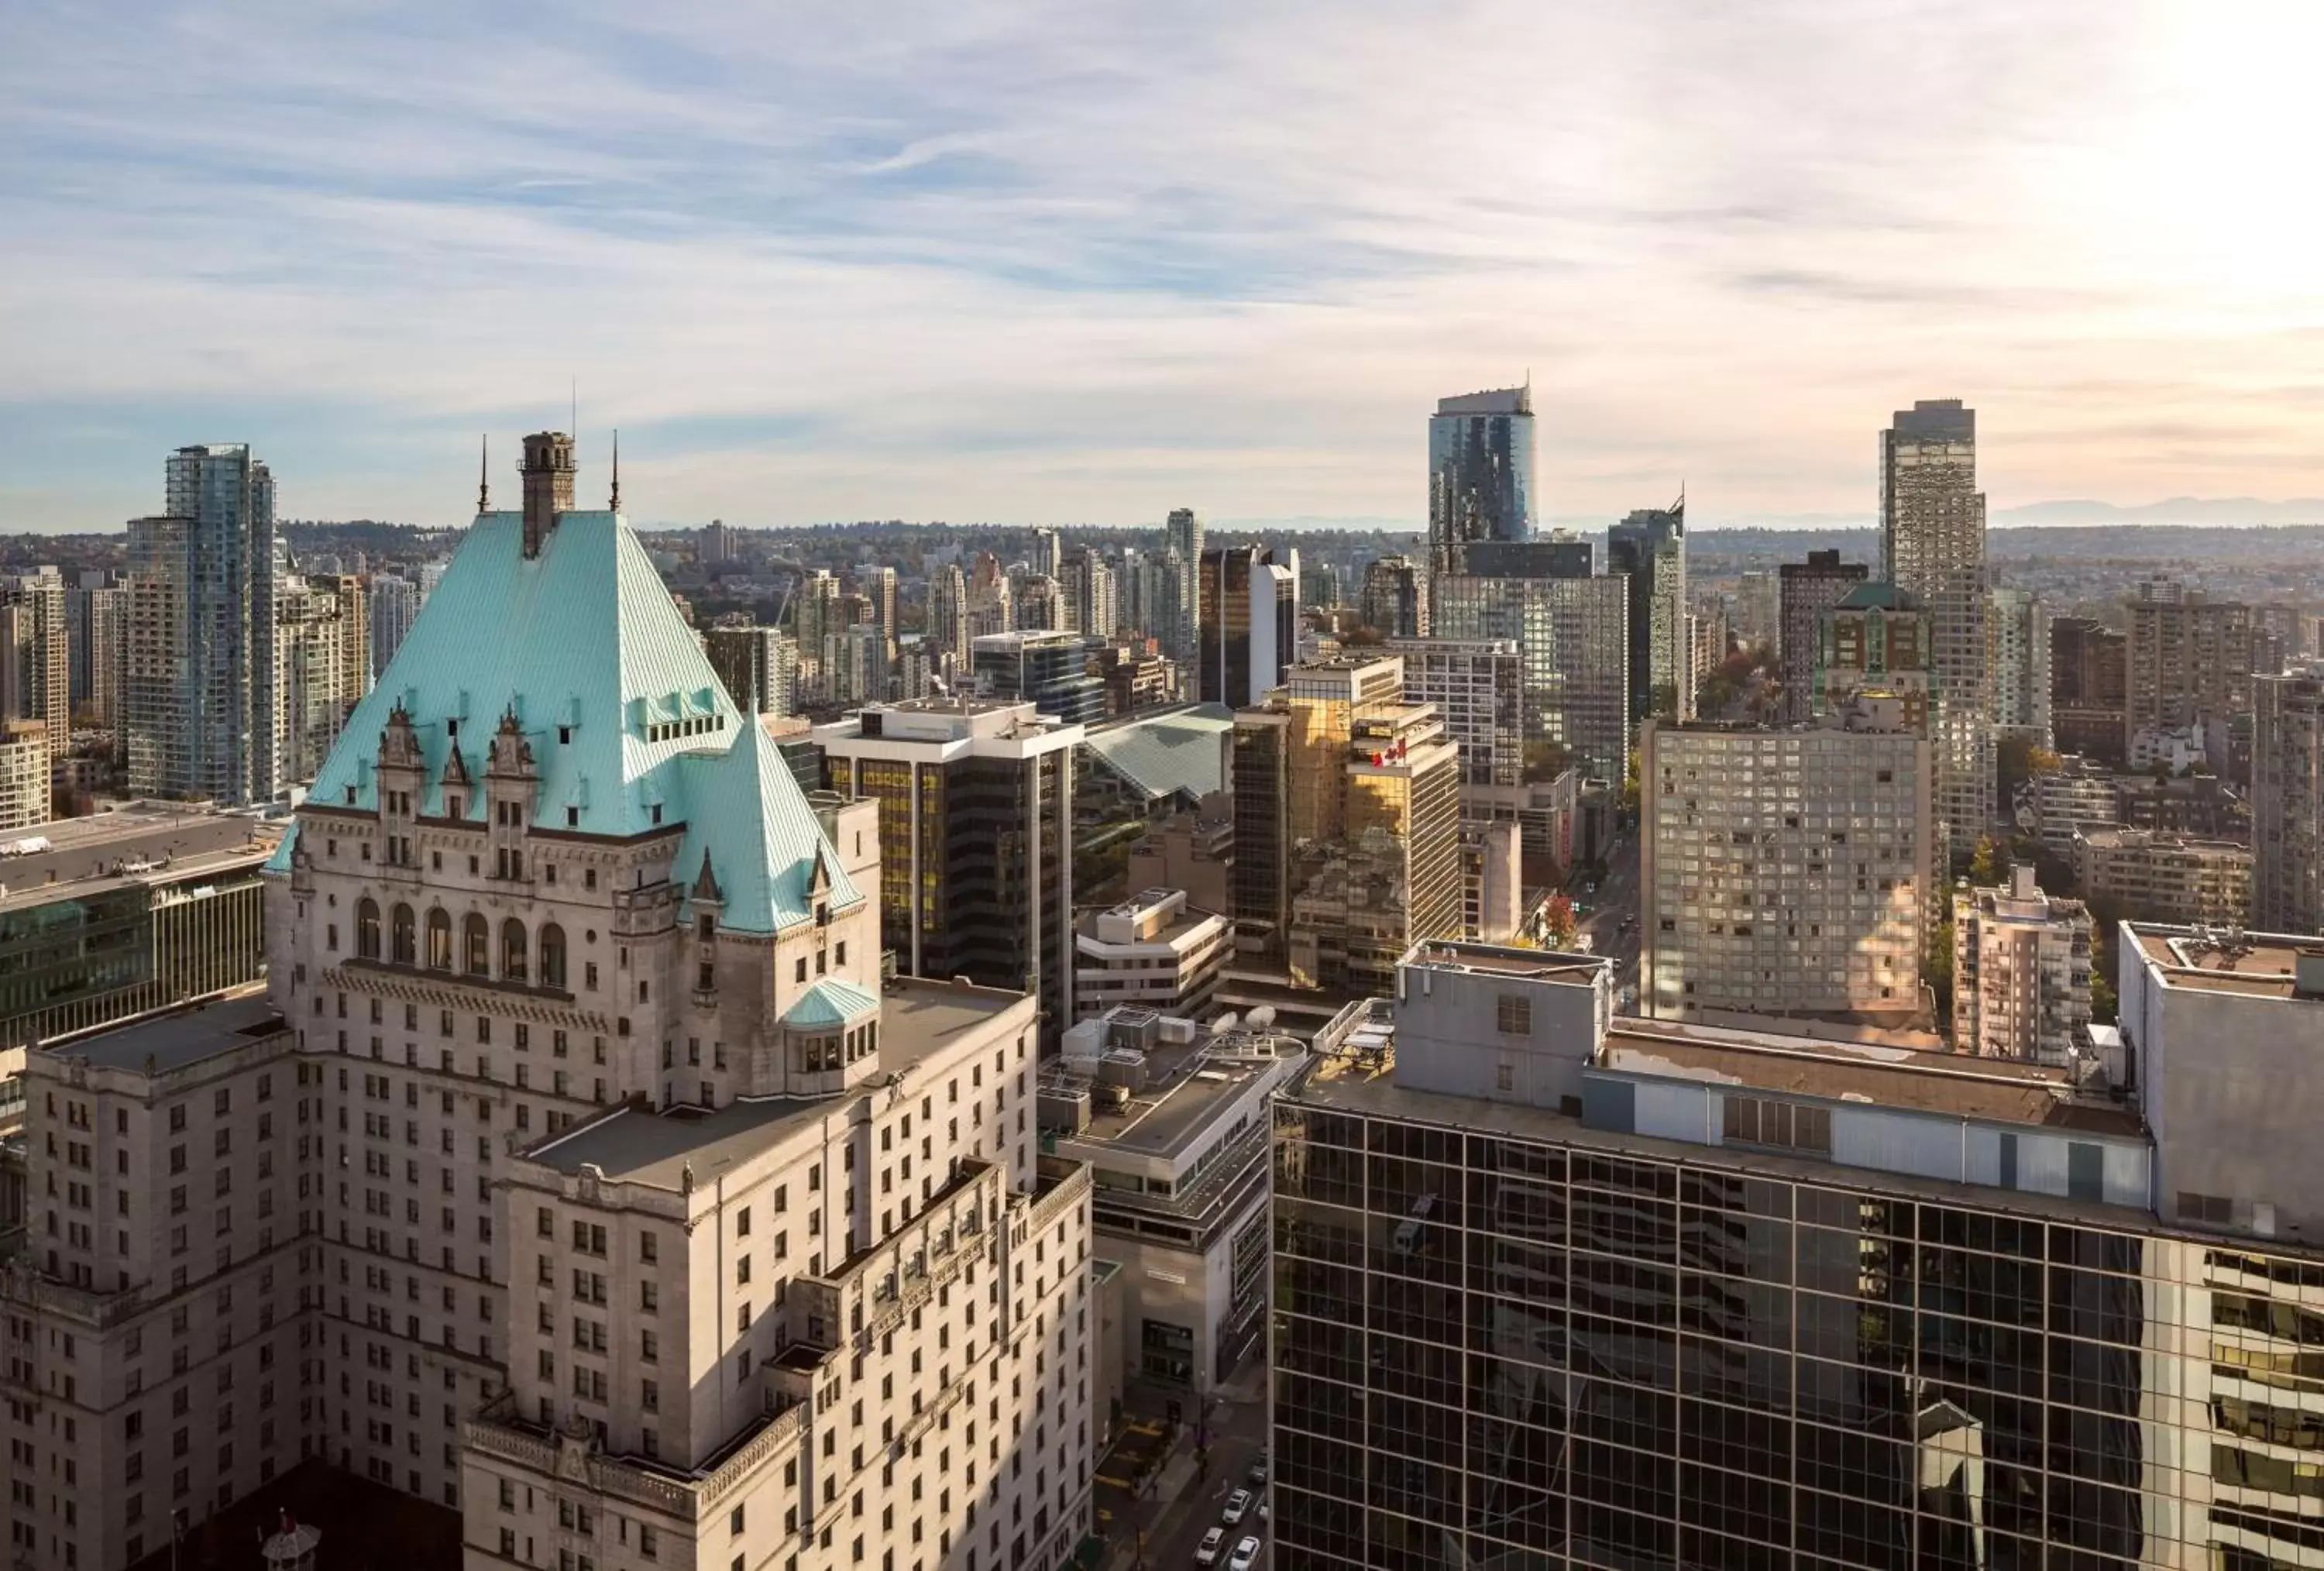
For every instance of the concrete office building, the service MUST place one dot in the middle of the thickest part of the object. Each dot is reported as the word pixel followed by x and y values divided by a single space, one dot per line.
pixel 877 585
pixel 394 607
pixel 757 666
pixel 1609 1292
pixel 2154 876
pixel 2089 692
pixel 160 1332
pixel 1574 635
pixel 2021 972
pixel 1805 592
pixel 2190 665
pixel 1477 687
pixel 948 614
pixel 975 824
pixel 1649 549
pixel 604 989
pixel 106 917
pixel 1785 872
pixel 1481 474
pixel 2017 631
pixel 322 652
pixel 1933 547
pixel 1709 634
pixel 36 656
pixel 2077 797
pixel 1192 852
pixel 198 669
pixel 1092 606
pixel 1153 950
pixel 1492 883
pixel 1759 609
pixel 94 617
pixel 2288 803
pixel 1171 1119
pixel 24 792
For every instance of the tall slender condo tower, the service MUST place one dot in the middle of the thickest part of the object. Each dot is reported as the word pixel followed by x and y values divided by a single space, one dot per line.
pixel 1479 473
pixel 1933 545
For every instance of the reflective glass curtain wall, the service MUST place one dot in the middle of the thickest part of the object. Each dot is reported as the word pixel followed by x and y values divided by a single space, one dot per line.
pixel 1497 1351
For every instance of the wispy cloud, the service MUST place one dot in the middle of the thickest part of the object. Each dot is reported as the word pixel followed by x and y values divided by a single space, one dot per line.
pixel 1063 261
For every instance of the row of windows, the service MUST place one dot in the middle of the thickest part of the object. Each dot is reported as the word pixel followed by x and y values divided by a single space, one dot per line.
pixel 516 947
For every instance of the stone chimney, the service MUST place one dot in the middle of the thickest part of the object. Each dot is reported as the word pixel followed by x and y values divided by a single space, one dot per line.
pixel 547 486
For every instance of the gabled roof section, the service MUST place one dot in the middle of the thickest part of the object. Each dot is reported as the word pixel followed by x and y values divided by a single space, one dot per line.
pixel 830 1003
pixel 584 646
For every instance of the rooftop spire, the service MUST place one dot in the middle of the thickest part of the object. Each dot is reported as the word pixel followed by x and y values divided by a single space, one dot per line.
pixel 485 472
pixel 615 505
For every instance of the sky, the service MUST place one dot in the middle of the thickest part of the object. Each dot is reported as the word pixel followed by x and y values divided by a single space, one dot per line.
pixel 1076 263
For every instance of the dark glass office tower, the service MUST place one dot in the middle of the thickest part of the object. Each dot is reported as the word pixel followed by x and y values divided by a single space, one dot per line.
pixel 1507 1348
pixel 1649 548
pixel 1250 624
pixel 1479 473
pixel 1556 1287
pixel 976 868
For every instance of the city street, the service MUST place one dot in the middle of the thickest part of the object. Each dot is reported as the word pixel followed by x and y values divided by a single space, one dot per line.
pixel 1186 1500
pixel 1616 901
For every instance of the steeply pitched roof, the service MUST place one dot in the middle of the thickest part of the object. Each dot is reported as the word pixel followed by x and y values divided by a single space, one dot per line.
pixel 623 713
pixel 1181 752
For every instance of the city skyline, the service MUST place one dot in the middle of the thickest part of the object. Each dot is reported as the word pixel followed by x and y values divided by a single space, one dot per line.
pixel 1007 269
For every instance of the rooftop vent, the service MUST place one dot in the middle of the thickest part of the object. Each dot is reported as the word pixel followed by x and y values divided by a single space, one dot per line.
pixel 2308 972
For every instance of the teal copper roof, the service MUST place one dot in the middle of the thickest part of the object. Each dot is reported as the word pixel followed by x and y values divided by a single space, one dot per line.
pixel 1877 595
pixel 584 645
pixel 830 1003
pixel 1181 752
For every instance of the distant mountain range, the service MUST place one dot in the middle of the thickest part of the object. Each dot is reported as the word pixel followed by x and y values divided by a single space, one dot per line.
pixel 2239 512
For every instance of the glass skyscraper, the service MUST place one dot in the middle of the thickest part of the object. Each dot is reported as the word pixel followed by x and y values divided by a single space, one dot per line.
pixel 1556 1287
pixel 1479 473
pixel 199 678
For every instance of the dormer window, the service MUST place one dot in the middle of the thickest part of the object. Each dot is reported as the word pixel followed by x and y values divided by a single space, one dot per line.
pixel 452 729
pixel 453 806
pixel 657 812
pixel 572 818
pixel 564 735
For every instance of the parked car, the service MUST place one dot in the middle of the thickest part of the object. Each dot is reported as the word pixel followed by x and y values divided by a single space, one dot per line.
pixel 1237 1503
pixel 1207 1552
pixel 1258 1479
pixel 1245 1553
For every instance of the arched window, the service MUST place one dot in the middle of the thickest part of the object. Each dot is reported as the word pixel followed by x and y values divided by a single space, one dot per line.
pixel 404 945
pixel 367 930
pixel 439 939
pixel 553 955
pixel 477 940
pixel 513 950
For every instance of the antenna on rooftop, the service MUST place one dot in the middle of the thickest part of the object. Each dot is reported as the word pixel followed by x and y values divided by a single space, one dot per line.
pixel 484 474
pixel 615 505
